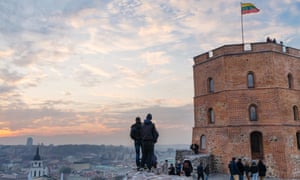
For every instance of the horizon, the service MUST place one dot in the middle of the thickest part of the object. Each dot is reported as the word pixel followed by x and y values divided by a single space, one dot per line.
pixel 81 71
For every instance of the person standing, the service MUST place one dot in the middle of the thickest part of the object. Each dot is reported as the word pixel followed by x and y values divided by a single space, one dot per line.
pixel 234 171
pixel 254 171
pixel 200 171
pixel 247 169
pixel 178 168
pixel 149 138
pixel 241 169
pixel 187 168
pixel 261 170
pixel 171 169
pixel 165 167
pixel 136 135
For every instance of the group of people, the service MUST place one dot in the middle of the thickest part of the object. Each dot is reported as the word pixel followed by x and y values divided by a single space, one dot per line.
pixel 145 135
pixel 253 170
pixel 186 169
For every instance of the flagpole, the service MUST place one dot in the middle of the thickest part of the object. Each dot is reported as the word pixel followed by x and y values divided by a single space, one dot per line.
pixel 242 25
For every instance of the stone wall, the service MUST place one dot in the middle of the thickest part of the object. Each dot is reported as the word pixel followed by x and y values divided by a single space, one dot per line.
pixel 182 155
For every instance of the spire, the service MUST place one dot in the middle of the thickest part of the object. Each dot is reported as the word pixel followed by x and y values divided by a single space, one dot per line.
pixel 37 156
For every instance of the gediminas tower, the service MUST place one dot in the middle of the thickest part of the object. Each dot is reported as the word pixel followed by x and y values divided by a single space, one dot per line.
pixel 246 105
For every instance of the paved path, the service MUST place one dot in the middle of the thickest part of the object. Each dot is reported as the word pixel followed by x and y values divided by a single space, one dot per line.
pixel 134 175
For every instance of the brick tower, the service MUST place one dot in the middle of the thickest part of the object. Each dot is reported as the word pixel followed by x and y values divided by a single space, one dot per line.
pixel 246 106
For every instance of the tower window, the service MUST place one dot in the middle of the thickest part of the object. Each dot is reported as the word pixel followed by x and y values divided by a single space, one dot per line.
pixel 210 85
pixel 296 114
pixel 203 142
pixel 250 80
pixel 298 140
pixel 211 116
pixel 253 112
pixel 290 81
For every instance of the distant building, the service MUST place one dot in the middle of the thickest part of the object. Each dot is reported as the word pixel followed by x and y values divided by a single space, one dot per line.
pixel 246 105
pixel 79 166
pixel 37 170
pixel 29 141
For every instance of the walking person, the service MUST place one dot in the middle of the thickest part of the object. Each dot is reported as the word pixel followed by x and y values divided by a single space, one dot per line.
pixel 206 171
pixel 136 135
pixel 254 171
pixel 149 138
pixel 261 170
pixel 200 171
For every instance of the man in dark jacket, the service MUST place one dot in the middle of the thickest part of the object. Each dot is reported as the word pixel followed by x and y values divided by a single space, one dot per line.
pixel 262 169
pixel 149 138
pixel 240 166
pixel 136 135
pixel 234 171
pixel 200 171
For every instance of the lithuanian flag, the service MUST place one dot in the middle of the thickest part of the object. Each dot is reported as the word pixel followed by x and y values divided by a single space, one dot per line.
pixel 247 8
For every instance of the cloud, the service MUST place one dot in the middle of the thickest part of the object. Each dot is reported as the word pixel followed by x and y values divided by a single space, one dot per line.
pixel 6 53
pixel 156 58
pixel 95 71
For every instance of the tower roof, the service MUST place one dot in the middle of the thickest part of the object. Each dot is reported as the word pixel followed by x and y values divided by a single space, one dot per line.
pixel 37 156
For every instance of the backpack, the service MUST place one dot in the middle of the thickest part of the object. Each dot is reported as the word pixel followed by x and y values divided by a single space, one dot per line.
pixel 136 132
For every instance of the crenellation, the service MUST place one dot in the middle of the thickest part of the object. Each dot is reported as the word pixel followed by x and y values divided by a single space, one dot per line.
pixel 258 47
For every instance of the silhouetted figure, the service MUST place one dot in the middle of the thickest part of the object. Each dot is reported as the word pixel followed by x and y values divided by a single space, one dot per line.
pixel 149 138
pixel 269 39
pixel 195 148
pixel 136 135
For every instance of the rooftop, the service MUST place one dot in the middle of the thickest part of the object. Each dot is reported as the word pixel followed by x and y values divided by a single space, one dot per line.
pixel 246 48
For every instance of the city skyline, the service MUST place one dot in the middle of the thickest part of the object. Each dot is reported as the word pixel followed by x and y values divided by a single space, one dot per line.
pixel 79 72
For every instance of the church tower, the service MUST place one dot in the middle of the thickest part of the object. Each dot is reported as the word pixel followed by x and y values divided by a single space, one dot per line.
pixel 37 167
pixel 246 101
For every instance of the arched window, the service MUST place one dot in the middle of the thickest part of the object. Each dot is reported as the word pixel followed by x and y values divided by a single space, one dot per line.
pixel 250 80
pixel 290 81
pixel 295 111
pixel 253 112
pixel 256 141
pixel 210 82
pixel 211 116
pixel 298 139
pixel 203 142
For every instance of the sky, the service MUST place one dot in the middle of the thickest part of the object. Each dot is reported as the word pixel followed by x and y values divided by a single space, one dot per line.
pixel 80 71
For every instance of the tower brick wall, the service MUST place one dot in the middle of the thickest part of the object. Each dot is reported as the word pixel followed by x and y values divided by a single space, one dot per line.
pixel 272 135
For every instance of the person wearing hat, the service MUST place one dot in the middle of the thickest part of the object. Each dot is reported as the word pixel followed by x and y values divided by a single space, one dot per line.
pixel 136 136
pixel 149 138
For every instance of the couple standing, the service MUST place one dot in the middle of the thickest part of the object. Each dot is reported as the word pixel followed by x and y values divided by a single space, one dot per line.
pixel 145 136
